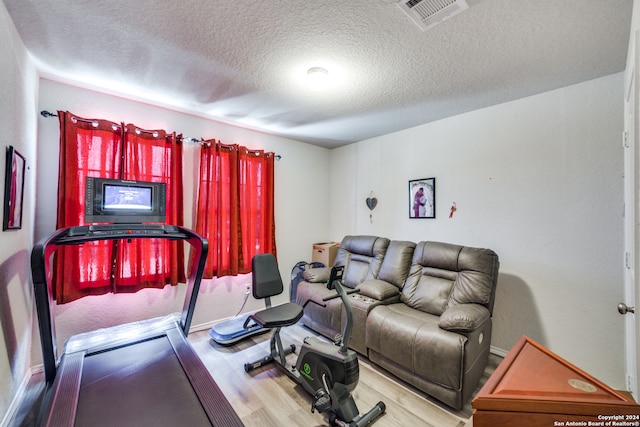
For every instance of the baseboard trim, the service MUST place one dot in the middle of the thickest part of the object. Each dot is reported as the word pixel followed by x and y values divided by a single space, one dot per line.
pixel 202 326
pixel 207 325
pixel 19 395
pixel 498 351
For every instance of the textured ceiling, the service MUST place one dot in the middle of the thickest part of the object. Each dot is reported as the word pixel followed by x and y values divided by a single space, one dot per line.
pixel 242 61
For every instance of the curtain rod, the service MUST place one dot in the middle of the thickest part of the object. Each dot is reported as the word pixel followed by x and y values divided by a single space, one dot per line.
pixel 45 113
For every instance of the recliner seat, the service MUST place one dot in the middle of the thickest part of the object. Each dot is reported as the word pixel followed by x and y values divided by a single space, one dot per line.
pixel 423 312
pixel 362 258
pixel 438 336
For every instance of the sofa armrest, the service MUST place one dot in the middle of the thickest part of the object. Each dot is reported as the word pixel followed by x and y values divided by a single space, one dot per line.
pixel 378 289
pixel 464 317
pixel 317 275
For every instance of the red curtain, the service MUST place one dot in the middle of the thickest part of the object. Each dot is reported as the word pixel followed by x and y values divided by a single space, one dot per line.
pixel 256 203
pixel 88 147
pixel 100 148
pixel 235 207
pixel 152 155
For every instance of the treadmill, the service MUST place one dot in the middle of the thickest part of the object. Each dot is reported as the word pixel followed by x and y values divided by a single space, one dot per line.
pixel 140 373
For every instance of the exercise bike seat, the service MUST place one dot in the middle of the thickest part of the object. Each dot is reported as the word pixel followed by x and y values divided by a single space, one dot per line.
pixel 282 315
pixel 267 282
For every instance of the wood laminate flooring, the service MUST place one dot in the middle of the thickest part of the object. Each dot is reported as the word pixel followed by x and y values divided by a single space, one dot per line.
pixel 269 397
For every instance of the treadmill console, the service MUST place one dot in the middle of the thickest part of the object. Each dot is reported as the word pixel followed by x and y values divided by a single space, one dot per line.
pixel 84 233
pixel 122 229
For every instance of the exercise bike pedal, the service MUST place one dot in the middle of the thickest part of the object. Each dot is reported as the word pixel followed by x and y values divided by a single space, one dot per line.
pixel 337 340
pixel 335 421
pixel 321 401
pixel 360 420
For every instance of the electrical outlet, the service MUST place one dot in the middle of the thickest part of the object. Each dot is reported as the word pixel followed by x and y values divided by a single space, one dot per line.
pixel 248 290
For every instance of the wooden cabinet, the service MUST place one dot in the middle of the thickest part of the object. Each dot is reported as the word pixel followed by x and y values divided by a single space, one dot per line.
pixel 534 387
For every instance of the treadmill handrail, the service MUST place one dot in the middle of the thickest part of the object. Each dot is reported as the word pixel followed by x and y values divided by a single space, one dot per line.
pixel 41 272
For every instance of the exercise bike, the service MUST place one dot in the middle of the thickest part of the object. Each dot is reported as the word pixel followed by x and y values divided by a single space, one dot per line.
pixel 327 371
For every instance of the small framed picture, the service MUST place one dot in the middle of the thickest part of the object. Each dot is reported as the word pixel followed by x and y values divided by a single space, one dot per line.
pixel 13 189
pixel 422 198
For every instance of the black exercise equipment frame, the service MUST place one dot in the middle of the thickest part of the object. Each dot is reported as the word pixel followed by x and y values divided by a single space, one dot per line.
pixel 215 405
pixel 41 269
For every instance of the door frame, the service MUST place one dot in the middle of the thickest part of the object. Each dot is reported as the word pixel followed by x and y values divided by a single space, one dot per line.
pixel 631 147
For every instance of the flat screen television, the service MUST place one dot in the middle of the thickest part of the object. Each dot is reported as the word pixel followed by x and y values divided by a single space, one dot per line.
pixel 124 202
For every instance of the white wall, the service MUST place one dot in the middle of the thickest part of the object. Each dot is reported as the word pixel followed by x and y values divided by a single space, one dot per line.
pixel 18 89
pixel 538 180
pixel 301 186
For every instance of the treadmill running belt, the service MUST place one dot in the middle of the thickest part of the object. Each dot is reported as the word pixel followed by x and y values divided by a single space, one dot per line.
pixel 142 384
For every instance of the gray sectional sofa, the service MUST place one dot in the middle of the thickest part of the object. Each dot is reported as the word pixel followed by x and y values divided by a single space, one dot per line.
pixel 423 312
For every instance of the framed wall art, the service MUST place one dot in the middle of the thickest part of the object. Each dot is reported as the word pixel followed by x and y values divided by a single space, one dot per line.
pixel 13 190
pixel 422 198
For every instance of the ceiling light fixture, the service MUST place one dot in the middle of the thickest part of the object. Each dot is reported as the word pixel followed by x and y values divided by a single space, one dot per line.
pixel 317 77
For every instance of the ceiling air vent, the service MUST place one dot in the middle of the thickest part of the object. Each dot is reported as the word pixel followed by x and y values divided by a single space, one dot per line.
pixel 429 13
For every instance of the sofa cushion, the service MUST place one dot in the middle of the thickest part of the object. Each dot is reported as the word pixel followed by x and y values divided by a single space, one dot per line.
pixel 464 317
pixel 396 262
pixel 428 289
pixel 477 279
pixel 361 257
pixel 317 275
pixel 444 275
pixel 378 289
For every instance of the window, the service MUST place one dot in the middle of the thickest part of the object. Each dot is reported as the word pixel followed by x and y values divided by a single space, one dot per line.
pixel 235 208
pixel 100 148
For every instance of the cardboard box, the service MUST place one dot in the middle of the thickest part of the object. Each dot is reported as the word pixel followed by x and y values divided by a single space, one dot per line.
pixel 325 253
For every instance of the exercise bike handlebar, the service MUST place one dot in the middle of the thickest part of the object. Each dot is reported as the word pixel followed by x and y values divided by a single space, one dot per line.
pixel 342 293
pixel 335 283
pixel 325 299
